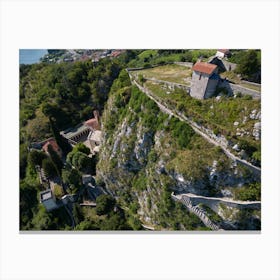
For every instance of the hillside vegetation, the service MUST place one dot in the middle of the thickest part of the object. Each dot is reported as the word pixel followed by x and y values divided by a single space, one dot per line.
pixel 144 158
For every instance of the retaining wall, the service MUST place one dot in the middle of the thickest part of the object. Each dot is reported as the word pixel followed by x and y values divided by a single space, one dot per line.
pixel 233 89
pixel 171 85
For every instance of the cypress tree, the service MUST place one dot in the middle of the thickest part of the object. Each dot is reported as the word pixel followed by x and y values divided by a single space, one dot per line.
pixel 60 140
pixel 55 159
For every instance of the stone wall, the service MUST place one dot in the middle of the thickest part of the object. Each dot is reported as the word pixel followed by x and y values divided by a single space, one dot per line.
pixel 214 203
pixel 234 89
pixel 170 85
pixel 187 64
pixel 199 85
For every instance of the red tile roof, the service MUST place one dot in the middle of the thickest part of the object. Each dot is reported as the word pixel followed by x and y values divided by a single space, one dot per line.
pixel 204 67
pixel 54 145
pixel 93 123
pixel 225 51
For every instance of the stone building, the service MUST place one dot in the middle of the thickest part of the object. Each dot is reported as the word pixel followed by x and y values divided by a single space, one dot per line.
pixel 76 134
pixel 205 79
pixel 88 133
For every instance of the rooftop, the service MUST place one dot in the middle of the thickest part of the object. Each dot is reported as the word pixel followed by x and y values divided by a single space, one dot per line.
pixel 46 195
pixel 54 145
pixel 93 123
pixel 71 132
pixel 225 51
pixel 204 67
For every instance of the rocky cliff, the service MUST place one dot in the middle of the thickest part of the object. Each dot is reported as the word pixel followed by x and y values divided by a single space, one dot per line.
pixel 147 154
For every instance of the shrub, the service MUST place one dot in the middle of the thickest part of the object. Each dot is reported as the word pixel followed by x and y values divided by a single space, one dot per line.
pixel 247 97
pixel 36 157
pixel 182 132
pixel 104 204
pixel 238 94
pixel 80 147
pixel 58 191
pixel 251 192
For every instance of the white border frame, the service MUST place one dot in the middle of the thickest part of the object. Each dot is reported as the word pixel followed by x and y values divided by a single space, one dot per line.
pixel 153 24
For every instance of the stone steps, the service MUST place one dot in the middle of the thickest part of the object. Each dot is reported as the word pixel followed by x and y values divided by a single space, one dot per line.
pixel 198 212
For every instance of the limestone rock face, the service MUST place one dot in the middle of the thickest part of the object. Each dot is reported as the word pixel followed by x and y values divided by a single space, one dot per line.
pixel 257 131
pixel 140 161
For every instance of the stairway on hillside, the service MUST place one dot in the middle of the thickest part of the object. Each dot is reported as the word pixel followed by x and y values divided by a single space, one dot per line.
pixel 199 212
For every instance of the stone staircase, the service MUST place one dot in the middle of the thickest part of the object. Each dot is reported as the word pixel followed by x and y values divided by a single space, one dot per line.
pixel 197 211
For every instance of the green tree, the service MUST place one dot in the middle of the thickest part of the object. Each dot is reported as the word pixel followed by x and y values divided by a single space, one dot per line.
pixel 251 192
pixel 28 204
pixel 71 177
pixel 42 220
pixel 104 204
pixel 55 159
pixel 60 140
pixel 80 147
pixel 115 221
pixel 87 225
pixel 23 160
pixel 36 157
pixel 58 191
pixel 249 64
pixel 82 162
pixel 77 213
pixel 49 167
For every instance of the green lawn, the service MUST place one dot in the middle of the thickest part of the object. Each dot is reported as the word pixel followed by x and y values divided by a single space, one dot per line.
pixel 170 73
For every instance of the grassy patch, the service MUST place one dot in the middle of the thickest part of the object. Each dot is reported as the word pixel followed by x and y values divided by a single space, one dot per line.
pixel 170 73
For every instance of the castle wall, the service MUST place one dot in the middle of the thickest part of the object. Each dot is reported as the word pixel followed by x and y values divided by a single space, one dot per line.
pixel 233 89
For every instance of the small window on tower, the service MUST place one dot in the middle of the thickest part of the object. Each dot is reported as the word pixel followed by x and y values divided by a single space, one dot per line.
pixel 199 76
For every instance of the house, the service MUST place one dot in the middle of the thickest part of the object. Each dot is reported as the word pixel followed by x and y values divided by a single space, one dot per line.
pixel 48 200
pixel 205 79
pixel 222 53
pixel 51 142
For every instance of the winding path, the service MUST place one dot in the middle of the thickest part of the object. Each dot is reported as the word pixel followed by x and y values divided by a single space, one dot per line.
pixel 219 199
pixel 197 129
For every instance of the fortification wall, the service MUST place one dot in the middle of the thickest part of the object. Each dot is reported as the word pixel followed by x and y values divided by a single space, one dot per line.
pixel 234 89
